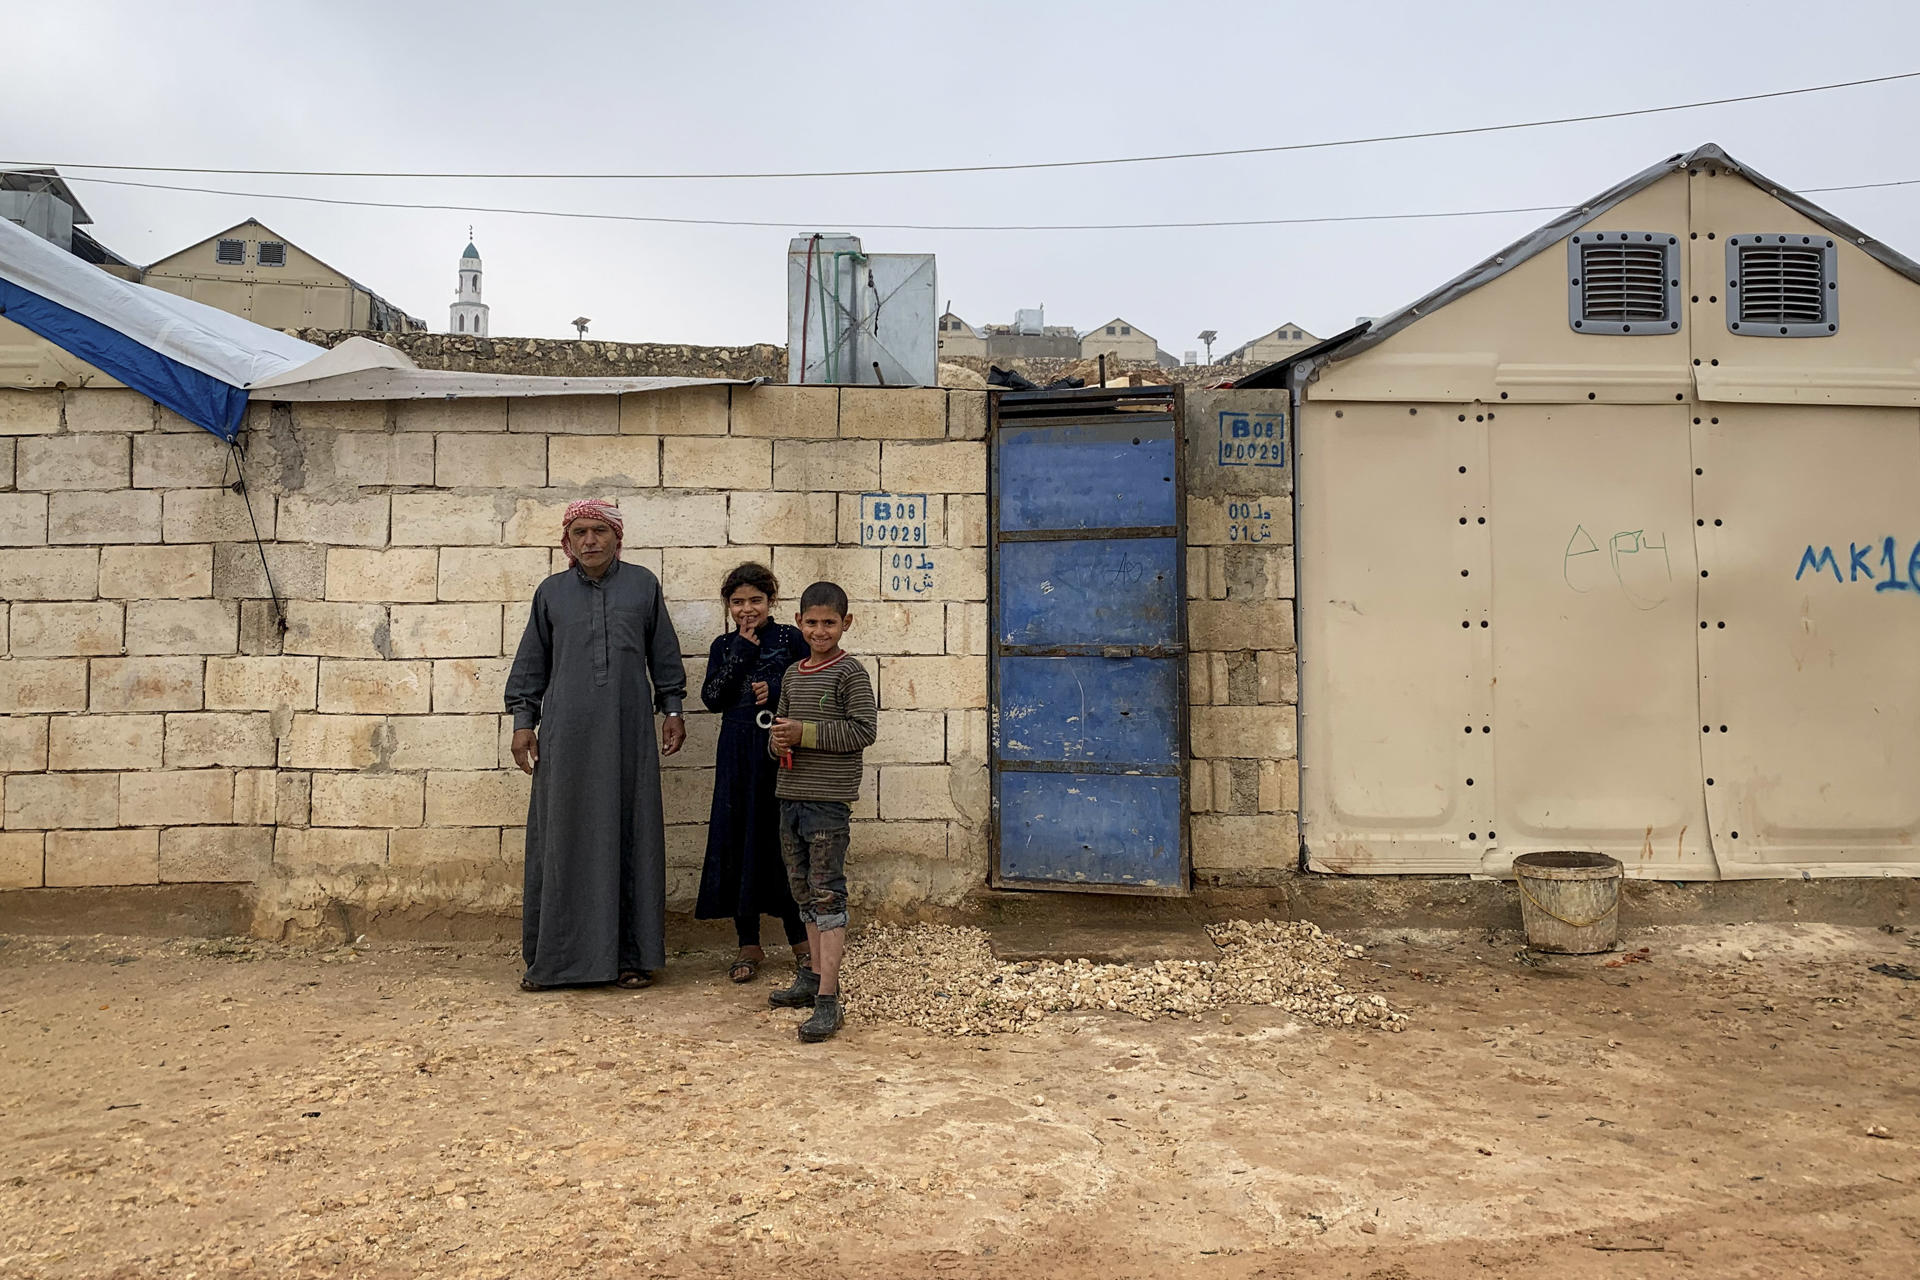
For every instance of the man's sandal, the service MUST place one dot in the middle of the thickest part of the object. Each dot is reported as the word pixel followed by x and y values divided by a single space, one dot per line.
pixel 633 980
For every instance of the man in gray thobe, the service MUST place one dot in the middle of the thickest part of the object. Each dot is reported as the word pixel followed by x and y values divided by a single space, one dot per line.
pixel 599 657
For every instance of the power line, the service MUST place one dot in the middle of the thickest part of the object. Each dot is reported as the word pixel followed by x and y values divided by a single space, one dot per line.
pixel 1013 168
pixel 908 226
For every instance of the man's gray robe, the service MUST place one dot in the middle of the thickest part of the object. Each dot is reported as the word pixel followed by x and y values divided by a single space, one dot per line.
pixel 598 658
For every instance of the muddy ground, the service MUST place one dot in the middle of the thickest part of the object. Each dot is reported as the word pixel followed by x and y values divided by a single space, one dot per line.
pixel 194 1109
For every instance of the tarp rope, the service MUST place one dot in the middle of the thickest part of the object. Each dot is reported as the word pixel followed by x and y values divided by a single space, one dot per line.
pixel 240 487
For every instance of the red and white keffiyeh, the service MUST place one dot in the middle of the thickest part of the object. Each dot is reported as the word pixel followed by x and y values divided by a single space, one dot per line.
pixel 592 508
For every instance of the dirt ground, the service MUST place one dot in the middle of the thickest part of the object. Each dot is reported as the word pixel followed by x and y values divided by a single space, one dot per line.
pixel 194 1109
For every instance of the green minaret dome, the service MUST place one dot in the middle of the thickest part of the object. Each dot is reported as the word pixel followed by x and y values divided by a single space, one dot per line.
pixel 471 251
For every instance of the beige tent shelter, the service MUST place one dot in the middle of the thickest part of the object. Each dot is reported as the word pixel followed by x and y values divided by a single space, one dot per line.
pixel 1611 543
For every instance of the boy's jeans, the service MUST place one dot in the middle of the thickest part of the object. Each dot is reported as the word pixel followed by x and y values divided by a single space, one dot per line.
pixel 813 844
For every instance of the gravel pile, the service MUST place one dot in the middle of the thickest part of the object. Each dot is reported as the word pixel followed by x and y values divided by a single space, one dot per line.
pixel 944 978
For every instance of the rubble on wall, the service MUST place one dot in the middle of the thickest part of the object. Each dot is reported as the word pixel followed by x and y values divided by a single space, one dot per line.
pixel 570 358
pixel 1119 372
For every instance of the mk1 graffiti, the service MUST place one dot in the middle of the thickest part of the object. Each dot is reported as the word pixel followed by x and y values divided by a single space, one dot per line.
pixel 1860 564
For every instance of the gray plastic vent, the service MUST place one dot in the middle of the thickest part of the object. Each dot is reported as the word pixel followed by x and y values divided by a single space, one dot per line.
pixel 1782 286
pixel 230 251
pixel 1623 282
pixel 273 253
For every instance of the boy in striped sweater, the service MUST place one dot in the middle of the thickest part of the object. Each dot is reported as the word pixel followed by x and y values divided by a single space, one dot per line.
pixel 825 718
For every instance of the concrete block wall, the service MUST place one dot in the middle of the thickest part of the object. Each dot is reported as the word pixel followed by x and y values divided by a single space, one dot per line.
pixel 157 726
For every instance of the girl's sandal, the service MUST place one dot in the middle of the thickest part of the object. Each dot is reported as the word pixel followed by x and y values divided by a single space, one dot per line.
pixel 633 980
pixel 744 967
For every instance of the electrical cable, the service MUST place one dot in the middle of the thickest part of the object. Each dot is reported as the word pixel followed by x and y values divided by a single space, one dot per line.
pixel 1031 165
pixel 912 226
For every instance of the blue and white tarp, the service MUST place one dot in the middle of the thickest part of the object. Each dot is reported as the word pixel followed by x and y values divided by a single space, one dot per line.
pixel 196 360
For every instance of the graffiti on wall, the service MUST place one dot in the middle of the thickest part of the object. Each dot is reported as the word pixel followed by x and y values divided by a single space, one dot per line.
pixel 893 519
pixel 1879 563
pixel 1633 562
pixel 1249 520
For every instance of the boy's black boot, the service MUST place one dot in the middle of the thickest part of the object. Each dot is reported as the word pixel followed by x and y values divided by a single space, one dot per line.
pixel 826 1020
pixel 806 986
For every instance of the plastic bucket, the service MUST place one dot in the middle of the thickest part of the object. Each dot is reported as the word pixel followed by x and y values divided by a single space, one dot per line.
pixel 1569 902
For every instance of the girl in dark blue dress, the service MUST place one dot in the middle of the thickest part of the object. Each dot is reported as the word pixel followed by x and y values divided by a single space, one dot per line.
pixel 743 876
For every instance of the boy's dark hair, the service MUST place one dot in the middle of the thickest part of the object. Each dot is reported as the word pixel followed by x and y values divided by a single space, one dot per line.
pixel 824 594
pixel 751 574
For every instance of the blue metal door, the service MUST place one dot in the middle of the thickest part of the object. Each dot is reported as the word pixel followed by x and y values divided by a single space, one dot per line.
pixel 1089 625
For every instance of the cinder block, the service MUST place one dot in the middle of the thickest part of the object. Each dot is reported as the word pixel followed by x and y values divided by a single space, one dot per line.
pixel 1199 786
pixel 1244 733
pixel 182 626
pixel 145 684
pixel 73 462
pixel 299 571
pixel 66 629
pixel 351 687
pixel 177 797
pixel 197 461
pixel 1247 520
pixel 1256 573
pixel 31 412
pixel 446 630
pixel 941 573
pixel 253 797
pixel 952 466
pixel 825 466
pixel 672 520
pixel 1199 679
pixel 446 742
pixel 129 515
pixel 28 685
pixel 1279 677
pixel 494 798
pixel 1279 786
pixel 491 573
pixel 293 798
pixel 794 518
pixel 893 413
pixel 22 859
pixel 687 795
pixel 910 737
pixel 156 573
pixel 262 684
pixel 6 462
pixel 444 519
pixel 328 848
pixel 967 628
pixel 917 793
pixel 46 801
pixel 217 739
pixel 215 515
pixel 259 628
pixel 214 855
pixel 564 415
pixel 23 742
pixel 23 519
pixel 332 742
pixel 967 415
pixel 404 573
pixel 111 409
pixel 966 736
pixel 696 462
pixel 683 411
pixel 367 800
pixel 1249 849
pixel 932 683
pixel 314 416
pixel 105 742
pixel 490 462
pixel 797 413
pixel 450 415
pixel 404 458
pixel 624 462
pixel 696 622
pixel 442 846
pixel 898 846
pixel 80 858
pixel 52 573
pixel 890 627
pixel 347 522
pixel 535 522
pixel 468 686
pixel 331 630
pixel 703 734
pixel 856 569
pixel 1217 626
pixel 695 573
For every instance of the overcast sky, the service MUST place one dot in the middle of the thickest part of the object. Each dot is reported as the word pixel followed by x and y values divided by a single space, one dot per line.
pixel 352 84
